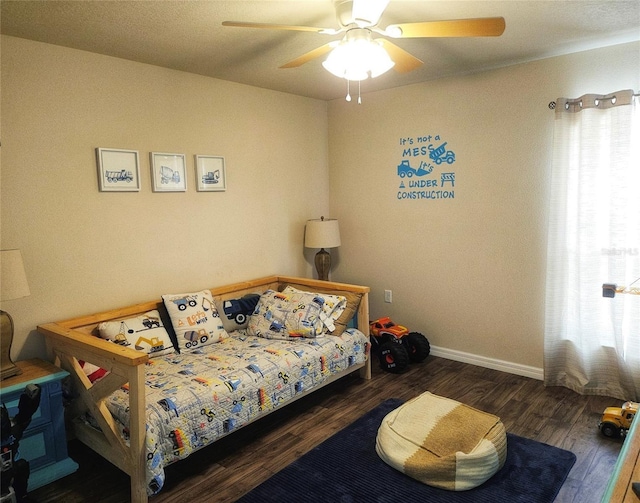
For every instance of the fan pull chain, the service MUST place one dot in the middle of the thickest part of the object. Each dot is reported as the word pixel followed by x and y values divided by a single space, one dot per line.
pixel 348 97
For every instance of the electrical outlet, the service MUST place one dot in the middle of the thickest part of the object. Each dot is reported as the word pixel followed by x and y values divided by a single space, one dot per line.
pixel 388 296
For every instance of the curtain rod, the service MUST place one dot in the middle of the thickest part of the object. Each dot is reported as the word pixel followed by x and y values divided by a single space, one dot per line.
pixel 552 104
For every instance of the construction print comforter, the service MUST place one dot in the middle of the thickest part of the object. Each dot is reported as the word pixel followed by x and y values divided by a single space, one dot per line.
pixel 195 398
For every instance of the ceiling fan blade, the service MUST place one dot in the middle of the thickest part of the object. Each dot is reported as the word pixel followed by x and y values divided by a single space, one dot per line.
pixel 316 53
pixel 404 62
pixel 269 26
pixel 479 27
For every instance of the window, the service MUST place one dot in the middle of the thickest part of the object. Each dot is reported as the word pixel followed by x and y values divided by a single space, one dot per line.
pixel 592 343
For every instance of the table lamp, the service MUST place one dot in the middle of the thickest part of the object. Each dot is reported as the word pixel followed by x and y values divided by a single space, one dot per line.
pixel 13 285
pixel 322 234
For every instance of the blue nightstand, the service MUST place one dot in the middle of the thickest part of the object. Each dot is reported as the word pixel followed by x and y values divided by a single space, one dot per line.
pixel 44 443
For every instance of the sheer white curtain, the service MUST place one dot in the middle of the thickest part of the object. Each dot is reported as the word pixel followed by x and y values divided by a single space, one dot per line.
pixel 592 343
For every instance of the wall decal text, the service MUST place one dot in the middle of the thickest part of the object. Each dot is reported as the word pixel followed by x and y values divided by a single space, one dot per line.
pixel 419 178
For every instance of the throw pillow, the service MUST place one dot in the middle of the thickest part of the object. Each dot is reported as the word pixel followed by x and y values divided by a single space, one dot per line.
pixel 195 319
pixel 144 333
pixel 280 315
pixel 235 313
pixel 332 308
pixel 353 302
pixel 93 372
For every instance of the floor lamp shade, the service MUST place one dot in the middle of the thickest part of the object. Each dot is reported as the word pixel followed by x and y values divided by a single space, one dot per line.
pixel 13 285
pixel 322 233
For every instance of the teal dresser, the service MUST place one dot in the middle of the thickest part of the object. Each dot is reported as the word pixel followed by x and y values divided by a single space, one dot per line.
pixel 44 443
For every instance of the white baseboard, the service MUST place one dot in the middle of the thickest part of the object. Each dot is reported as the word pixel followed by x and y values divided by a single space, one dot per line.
pixel 490 363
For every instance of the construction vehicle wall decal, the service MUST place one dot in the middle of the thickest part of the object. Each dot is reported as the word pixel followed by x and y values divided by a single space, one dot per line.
pixel 405 169
pixel 440 155
pixel 423 183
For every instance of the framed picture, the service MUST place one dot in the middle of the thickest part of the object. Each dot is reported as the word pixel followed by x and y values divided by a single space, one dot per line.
pixel 210 175
pixel 118 170
pixel 168 172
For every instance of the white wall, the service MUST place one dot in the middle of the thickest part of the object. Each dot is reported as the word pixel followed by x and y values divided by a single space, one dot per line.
pixel 86 250
pixel 469 271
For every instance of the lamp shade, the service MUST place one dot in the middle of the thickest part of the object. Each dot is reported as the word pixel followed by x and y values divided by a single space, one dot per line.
pixel 13 280
pixel 322 233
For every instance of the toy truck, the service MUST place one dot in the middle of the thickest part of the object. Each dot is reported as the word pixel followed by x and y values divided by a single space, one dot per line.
pixel 397 346
pixel 616 421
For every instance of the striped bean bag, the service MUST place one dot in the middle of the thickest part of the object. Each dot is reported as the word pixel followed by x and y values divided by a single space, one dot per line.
pixel 442 443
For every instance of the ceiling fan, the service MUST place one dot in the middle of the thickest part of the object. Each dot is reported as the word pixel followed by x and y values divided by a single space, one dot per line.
pixel 358 20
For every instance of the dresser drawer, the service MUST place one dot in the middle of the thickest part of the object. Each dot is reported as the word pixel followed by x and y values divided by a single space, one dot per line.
pixel 38 446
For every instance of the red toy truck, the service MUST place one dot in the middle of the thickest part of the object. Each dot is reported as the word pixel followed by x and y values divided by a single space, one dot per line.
pixel 396 346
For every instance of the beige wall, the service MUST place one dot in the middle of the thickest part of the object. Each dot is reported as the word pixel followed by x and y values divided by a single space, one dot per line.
pixel 468 272
pixel 85 250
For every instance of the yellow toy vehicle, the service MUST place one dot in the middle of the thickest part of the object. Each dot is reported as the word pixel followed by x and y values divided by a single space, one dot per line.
pixel 616 421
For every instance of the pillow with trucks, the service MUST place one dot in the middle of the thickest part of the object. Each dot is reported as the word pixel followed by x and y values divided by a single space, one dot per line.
pixel 195 319
pixel 145 333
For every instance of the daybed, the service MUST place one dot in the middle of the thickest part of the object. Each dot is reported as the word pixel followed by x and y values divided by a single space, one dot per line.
pixel 143 409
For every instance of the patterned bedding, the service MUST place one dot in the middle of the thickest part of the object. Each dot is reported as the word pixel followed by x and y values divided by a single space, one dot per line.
pixel 197 397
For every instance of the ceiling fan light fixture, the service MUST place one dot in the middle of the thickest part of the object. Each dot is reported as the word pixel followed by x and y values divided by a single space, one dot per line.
pixel 381 63
pixel 357 57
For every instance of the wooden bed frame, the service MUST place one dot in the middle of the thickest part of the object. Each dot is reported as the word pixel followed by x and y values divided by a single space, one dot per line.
pixel 71 340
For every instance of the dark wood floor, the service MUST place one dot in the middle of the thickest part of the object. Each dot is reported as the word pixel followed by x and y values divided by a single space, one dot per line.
pixel 224 472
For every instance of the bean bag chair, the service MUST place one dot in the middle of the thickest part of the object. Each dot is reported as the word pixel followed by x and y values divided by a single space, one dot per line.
pixel 442 443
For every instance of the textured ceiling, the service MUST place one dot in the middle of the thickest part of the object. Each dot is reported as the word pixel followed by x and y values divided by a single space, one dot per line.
pixel 189 36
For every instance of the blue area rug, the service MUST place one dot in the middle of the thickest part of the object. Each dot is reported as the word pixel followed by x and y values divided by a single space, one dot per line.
pixel 346 469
